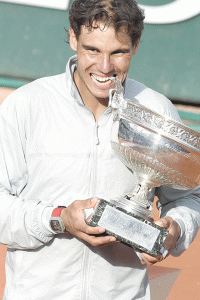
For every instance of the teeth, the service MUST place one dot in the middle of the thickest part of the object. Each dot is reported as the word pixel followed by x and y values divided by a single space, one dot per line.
pixel 102 80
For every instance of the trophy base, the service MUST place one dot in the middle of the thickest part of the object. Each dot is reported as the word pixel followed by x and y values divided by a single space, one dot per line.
pixel 128 227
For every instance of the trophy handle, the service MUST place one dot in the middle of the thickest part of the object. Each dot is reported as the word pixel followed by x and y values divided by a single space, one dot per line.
pixel 116 99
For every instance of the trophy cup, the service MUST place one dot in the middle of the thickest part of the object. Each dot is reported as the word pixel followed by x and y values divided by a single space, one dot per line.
pixel 160 151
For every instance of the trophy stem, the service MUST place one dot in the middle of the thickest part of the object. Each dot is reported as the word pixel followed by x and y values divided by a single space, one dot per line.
pixel 136 202
pixel 139 194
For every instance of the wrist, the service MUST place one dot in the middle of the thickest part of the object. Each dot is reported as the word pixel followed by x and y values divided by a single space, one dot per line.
pixel 181 226
pixel 56 222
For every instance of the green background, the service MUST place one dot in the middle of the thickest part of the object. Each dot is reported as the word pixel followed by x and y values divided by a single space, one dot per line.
pixel 32 45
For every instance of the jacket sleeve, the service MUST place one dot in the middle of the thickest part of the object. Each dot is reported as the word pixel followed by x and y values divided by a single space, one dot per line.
pixel 184 208
pixel 22 221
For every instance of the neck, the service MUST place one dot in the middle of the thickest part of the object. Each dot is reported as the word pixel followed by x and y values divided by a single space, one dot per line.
pixel 96 106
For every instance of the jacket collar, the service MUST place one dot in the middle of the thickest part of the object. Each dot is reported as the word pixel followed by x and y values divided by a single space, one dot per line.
pixel 70 68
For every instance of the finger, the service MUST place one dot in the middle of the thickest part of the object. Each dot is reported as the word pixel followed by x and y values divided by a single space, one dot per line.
pixel 167 223
pixel 82 226
pixel 174 232
pixel 89 203
pixel 81 205
pixel 150 260
pixel 102 245
pixel 95 240
pixel 164 222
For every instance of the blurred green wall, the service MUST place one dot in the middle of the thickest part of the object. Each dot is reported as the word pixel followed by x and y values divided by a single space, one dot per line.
pixel 32 45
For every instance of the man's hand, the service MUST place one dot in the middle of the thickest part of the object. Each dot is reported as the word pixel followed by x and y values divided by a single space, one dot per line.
pixel 73 218
pixel 170 242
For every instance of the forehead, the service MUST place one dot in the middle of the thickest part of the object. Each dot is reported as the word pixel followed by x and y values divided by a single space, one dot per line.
pixel 102 34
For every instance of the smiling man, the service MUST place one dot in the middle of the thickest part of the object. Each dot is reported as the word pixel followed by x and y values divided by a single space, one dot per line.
pixel 56 159
pixel 102 53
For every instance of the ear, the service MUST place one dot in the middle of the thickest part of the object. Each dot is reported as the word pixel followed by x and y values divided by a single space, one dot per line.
pixel 136 46
pixel 72 39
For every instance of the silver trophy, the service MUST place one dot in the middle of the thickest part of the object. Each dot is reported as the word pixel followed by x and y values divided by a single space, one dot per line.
pixel 160 151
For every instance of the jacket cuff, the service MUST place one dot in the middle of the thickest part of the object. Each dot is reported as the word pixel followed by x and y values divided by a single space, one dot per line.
pixel 177 248
pixel 40 222
pixel 46 215
pixel 182 243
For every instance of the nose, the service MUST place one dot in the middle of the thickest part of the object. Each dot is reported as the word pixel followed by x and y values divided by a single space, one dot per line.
pixel 105 64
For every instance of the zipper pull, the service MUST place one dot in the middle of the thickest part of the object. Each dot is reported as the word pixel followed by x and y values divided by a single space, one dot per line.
pixel 96 134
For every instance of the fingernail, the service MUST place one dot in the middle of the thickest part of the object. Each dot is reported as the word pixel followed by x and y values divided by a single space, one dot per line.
pixel 112 239
pixel 159 223
pixel 101 230
pixel 93 199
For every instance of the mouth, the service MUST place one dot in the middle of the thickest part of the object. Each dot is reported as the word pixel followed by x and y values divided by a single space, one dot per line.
pixel 102 81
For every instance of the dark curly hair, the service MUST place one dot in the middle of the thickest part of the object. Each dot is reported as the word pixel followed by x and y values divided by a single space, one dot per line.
pixel 123 15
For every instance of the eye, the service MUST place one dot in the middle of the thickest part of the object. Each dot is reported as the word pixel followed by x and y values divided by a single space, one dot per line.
pixel 118 52
pixel 93 50
pixel 121 51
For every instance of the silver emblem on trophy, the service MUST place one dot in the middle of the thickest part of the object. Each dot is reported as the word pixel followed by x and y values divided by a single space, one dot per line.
pixel 160 151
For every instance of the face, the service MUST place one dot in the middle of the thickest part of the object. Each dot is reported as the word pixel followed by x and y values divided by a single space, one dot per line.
pixel 101 55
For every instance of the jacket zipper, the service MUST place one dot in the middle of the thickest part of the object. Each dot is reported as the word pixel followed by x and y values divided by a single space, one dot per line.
pixel 96 133
pixel 94 171
pixel 86 258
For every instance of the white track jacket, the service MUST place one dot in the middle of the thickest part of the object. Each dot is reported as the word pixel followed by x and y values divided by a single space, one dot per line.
pixel 52 152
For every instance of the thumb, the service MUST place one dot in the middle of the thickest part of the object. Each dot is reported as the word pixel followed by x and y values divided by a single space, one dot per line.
pixel 89 208
pixel 90 203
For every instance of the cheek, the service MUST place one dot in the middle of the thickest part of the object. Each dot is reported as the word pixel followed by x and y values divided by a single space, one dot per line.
pixel 86 60
pixel 122 63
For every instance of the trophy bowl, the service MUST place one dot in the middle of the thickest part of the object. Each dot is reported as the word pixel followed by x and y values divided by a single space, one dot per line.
pixel 160 151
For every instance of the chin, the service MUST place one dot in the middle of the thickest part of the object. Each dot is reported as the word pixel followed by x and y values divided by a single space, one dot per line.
pixel 102 93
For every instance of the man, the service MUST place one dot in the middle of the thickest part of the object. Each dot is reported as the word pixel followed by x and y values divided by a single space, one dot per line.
pixel 56 152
